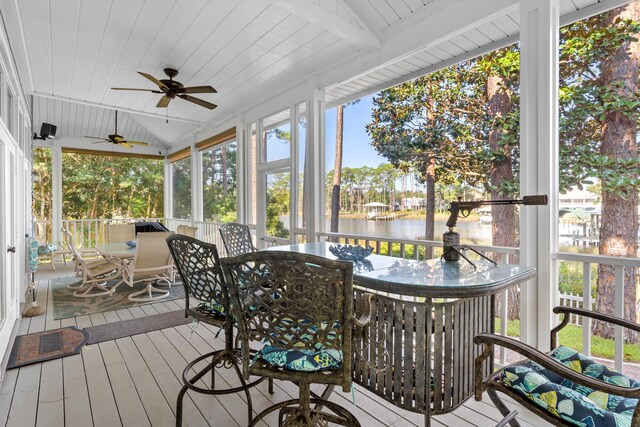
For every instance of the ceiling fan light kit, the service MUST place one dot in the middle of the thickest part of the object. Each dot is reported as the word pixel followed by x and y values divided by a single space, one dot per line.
pixel 172 88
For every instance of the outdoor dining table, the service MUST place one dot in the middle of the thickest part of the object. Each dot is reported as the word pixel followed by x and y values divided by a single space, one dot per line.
pixel 117 250
pixel 418 351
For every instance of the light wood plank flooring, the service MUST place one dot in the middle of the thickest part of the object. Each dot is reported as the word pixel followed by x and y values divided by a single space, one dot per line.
pixel 134 381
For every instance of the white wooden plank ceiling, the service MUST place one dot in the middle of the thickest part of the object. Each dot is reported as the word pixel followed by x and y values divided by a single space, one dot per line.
pixel 500 31
pixel 71 52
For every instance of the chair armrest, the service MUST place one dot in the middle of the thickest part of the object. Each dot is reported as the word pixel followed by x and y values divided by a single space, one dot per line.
pixel 598 316
pixel 550 363
pixel 365 316
pixel 567 311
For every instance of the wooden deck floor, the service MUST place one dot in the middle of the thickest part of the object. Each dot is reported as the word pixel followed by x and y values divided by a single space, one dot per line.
pixel 134 381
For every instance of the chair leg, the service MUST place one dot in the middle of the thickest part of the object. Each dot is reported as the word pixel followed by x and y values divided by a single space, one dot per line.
pixel 493 395
pixel 90 292
pixel 183 390
pixel 150 290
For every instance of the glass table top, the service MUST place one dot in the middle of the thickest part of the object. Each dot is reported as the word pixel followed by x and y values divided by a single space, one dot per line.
pixel 429 278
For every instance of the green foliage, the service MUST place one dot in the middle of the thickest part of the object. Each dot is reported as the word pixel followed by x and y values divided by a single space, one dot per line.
pixel 100 186
pixel 182 188
pixel 570 277
pixel 219 183
pixel 277 204
pixel 587 103
pixel 571 336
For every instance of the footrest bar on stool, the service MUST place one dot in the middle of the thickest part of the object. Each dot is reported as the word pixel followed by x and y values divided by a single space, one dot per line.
pixel 506 420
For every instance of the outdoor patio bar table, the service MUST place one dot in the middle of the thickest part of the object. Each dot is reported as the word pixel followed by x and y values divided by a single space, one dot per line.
pixel 418 351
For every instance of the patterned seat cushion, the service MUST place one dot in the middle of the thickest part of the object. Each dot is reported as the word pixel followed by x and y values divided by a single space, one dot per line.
pixel 300 359
pixel 574 403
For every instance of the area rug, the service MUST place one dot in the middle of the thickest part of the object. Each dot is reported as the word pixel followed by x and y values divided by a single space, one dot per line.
pixel 47 345
pixel 126 328
pixel 66 305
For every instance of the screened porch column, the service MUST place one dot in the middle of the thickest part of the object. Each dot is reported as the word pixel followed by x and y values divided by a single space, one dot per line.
pixel 197 210
pixel 168 189
pixel 56 193
pixel 314 170
pixel 539 26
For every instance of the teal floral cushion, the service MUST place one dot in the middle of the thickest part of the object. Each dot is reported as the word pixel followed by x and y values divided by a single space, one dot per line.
pixel 300 359
pixel 214 307
pixel 574 403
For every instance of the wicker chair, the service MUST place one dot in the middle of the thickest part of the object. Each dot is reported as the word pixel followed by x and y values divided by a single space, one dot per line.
pixel 151 264
pixel 237 239
pixel 120 233
pixel 207 300
pixel 559 386
pixel 300 307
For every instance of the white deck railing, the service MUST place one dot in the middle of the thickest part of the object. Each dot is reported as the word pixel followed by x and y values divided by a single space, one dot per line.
pixel 92 231
pixel 620 265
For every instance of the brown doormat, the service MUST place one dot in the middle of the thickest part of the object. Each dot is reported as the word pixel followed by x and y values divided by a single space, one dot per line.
pixel 47 345
pixel 141 325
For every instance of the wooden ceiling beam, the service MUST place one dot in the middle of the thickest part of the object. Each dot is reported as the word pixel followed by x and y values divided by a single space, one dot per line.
pixel 315 15
pixel 114 107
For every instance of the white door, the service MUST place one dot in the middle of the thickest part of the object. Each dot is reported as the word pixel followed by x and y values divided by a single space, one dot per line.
pixel 9 242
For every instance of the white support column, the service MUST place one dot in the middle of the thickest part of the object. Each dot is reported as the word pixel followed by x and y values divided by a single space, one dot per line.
pixel 242 148
pixel 539 20
pixel 56 193
pixel 168 189
pixel 314 175
pixel 197 195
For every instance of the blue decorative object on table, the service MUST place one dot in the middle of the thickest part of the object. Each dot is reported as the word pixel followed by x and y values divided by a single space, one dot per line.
pixel 350 252
pixel 131 243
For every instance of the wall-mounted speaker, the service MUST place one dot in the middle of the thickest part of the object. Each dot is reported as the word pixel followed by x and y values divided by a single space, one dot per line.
pixel 47 131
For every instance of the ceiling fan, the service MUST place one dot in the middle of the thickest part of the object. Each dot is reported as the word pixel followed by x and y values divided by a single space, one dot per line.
pixel 172 88
pixel 116 139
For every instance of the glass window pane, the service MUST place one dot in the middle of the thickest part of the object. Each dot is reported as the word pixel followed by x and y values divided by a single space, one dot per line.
pixel 276 137
pixel 182 188
pixel 277 214
pixel 219 183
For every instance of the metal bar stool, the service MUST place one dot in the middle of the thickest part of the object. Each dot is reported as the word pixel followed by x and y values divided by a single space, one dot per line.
pixel 198 265
pixel 300 307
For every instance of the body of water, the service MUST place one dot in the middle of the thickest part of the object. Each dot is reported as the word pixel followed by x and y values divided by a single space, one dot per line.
pixel 472 232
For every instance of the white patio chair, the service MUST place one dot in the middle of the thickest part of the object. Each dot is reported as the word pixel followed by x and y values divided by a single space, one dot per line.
pixel 185 230
pixel 120 233
pixel 151 264
pixel 94 273
pixel 70 242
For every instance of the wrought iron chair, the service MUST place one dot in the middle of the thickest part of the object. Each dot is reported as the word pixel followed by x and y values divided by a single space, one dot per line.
pixel 237 239
pixel 563 387
pixel 207 300
pixel 300 307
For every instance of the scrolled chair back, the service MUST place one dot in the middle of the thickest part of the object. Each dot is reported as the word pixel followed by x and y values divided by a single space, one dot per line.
pixel 294 301
pixel 237 239
pixel 199 266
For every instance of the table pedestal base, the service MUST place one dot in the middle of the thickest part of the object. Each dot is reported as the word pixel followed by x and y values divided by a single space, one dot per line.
pixel 418 353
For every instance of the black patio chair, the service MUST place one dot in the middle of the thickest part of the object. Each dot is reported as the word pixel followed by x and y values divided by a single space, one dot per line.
pixel 563 386
pixel 299 306
pixel 207 300
pixel 237 239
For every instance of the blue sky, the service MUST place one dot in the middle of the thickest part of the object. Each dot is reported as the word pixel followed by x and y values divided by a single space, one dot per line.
pixel 357 151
